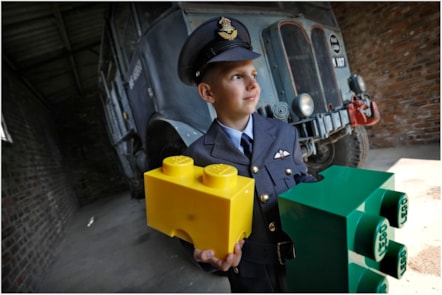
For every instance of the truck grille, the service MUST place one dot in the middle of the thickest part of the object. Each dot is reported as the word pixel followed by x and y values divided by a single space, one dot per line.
pixel 310 65
pixel 325 67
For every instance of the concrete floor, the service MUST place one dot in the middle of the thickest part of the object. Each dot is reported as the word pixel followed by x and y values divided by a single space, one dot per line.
pixel 108 247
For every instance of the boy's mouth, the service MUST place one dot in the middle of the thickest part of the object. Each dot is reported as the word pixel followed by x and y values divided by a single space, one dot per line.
pixel 250 98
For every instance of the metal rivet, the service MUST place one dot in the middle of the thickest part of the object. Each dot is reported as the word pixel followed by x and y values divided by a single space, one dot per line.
pixel 264 198
pixel 272 226
pixel 288 171
pixel 236 270
pixel 255 169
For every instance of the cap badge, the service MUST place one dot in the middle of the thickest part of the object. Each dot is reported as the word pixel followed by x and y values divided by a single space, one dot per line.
pixel 227 31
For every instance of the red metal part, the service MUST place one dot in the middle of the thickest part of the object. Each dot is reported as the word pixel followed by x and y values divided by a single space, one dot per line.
pixel 356 110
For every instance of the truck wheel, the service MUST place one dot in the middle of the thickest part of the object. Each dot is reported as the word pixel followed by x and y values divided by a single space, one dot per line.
pixel 163 141
pixel 351 150
pixel 136 188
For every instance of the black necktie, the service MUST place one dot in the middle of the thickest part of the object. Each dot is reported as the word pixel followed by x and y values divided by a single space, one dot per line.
pixel 246 143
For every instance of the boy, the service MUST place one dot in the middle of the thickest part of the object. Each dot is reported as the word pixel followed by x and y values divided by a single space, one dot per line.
pixel 218 58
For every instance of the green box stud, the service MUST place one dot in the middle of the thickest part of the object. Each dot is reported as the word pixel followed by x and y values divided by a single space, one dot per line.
pixel 343 230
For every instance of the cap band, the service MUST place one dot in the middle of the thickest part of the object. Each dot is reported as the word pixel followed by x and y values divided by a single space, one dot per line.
pixel 215 48
pixel 218 47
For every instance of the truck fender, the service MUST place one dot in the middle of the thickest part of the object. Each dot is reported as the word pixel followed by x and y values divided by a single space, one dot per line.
pixel 166 137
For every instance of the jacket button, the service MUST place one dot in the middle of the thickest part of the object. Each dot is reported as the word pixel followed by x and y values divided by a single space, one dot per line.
pixel 236 270
pixel 288 171
pixel 272 226
pixel 264 198
pixel 255 169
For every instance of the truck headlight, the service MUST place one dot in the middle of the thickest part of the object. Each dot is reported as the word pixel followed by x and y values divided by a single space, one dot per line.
pixel 303 105
pixel 356 83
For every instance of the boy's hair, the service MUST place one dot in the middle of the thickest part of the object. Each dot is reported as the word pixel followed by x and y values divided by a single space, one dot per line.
pixel 205 73
pixel 216 40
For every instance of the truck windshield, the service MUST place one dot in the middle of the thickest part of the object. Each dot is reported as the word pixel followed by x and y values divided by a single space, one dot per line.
pixel 320 12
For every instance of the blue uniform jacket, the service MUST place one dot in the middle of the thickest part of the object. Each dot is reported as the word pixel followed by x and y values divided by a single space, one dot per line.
pixel 276 166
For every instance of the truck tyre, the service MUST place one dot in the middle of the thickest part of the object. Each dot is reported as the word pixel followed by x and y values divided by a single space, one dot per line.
pixel 136 189
pixel 162 141
pixel 351 151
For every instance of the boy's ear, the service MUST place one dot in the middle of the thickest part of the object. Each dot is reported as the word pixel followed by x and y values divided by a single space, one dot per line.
pixel 205 92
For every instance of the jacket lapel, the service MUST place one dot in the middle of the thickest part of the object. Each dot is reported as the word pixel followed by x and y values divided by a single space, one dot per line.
pixel 263 144
pixel 222 147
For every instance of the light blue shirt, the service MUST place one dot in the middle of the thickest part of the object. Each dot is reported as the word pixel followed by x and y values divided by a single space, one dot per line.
pixel 235 135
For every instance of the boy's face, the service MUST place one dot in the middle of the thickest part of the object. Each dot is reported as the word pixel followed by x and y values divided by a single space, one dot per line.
pixel 232 89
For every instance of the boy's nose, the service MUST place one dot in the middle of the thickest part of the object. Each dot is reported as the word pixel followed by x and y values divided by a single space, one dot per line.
pixel 251 83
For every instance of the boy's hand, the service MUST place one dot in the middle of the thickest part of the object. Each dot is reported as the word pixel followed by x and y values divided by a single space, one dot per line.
pixel 232 259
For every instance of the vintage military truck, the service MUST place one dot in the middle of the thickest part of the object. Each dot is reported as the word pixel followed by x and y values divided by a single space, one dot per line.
pixel 303 72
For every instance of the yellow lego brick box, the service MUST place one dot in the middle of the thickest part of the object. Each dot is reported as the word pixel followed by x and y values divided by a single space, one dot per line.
pixel 210 207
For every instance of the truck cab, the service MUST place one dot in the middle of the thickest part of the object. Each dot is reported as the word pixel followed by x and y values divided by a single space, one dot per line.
pixel 304 75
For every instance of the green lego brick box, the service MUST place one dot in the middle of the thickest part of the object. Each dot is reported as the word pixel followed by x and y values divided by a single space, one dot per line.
pixel 343 230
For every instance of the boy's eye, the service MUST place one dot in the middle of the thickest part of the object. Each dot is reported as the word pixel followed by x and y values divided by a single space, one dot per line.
pixel 236 77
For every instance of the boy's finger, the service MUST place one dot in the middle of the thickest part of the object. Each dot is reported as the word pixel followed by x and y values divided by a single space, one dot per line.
pixel 197 254
pixel 227 262
pixel 202 255
pixel 206 255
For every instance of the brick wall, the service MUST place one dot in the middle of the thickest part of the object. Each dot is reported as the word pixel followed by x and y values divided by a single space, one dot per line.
pixel 37 197
pixel 92 163
pixel 395 46
pixel 58 161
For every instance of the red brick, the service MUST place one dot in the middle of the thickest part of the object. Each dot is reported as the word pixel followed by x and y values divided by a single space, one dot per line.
pixel 398 54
